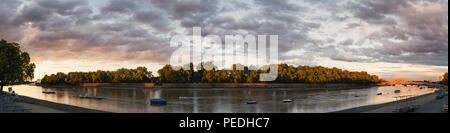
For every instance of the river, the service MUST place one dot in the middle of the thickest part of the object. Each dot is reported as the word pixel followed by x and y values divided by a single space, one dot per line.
pixel 221 100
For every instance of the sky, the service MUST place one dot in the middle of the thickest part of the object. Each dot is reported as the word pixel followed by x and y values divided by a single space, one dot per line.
pixel 389 38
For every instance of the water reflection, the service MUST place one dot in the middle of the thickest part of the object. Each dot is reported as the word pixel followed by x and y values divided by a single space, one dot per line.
pixel 221 100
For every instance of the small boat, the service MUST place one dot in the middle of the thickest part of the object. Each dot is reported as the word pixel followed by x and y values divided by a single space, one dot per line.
pixel 48 92
pixel 397 91
pixel 379 93
pixel 356 96
pixel 252 102
pixel 99 97
pixel 158 101
pixel 421 88
pixel 287 100
pixel 86 96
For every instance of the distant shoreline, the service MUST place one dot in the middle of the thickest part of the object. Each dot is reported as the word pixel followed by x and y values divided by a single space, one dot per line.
pixel 305 86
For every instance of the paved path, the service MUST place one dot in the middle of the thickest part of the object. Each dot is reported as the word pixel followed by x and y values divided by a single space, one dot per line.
pixel 434 106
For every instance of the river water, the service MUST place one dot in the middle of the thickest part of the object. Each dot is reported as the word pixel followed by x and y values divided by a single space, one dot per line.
pixel 226 100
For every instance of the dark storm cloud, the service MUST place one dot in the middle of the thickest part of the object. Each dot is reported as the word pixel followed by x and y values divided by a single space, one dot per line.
pixel 352 25
pixel 423 32
pixel 7 9
pixel 64 7
pixel 9 29
pixel 189 11
pixel 281 18
pixel 72 28
pixel 374 10
pixel 119 6
pixel 140 30
pixel 279 6
pixel 34 13
pixel 346 42
pixel 155 19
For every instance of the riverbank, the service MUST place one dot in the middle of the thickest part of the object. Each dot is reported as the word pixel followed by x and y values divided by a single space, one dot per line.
pixel 418 102
pixel 391 106
pixel 47 107
pixel 43 106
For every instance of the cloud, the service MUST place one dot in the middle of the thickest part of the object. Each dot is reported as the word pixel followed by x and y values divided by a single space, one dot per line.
pixel 419 34
pixel 405 31
pixel 119 6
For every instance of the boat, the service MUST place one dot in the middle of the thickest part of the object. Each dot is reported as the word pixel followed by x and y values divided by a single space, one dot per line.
pixel 252 102
pixel 48 92
pixel 356 96
pixel 99 97
pixel 287 100
pixel 158 101
pixel 86 96
pixel 379 93
pixel 397 91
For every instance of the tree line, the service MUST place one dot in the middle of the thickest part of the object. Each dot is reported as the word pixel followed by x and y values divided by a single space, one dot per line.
pixel 123 75
pixel 187 74
pixel 286 74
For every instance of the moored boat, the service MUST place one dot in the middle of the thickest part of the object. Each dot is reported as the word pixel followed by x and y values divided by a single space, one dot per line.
pixel 287 100
pixel 86 96
pixel 397 91
pixel 252 102
pixel 159 101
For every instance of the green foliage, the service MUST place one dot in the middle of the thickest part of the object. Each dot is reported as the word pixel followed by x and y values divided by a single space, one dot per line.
pixel 123 75
pixel 444 79
pixel 167 74
pixel 15 65
pixel 286 74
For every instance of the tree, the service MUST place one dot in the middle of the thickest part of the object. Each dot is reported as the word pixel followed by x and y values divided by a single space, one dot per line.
pixel 444 79
pixel 286 74
pixel 15 65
